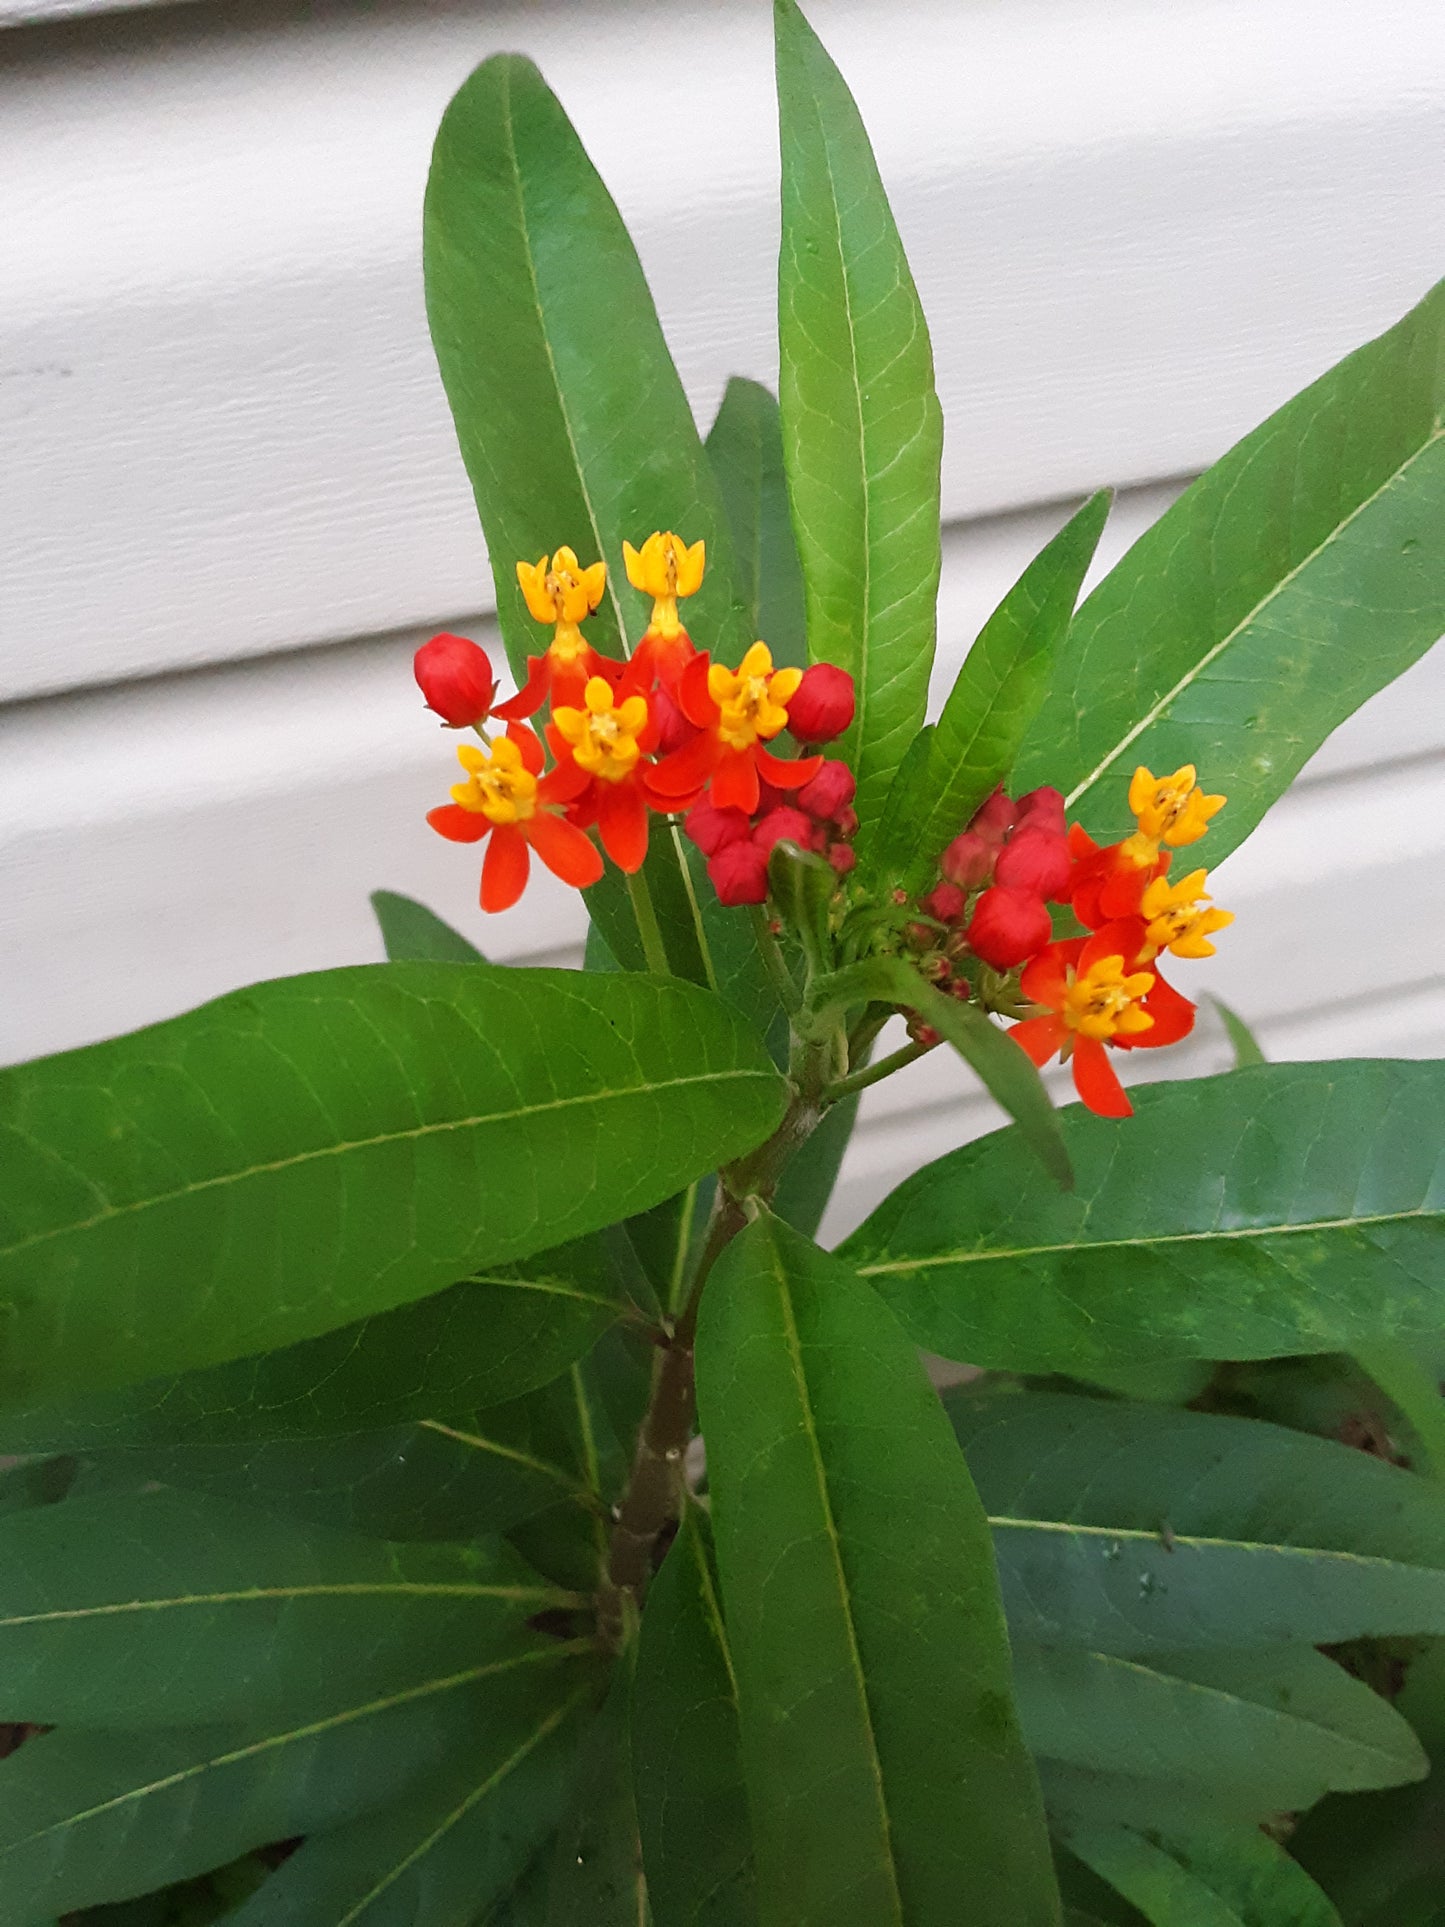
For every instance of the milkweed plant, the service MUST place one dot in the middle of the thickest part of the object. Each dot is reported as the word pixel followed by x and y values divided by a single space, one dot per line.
pixel 450 1482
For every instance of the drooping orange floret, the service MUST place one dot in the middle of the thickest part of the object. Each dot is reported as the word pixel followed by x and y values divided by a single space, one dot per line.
pixel 668 570
pixel 557 589
pixel 736 712
pixel 505 796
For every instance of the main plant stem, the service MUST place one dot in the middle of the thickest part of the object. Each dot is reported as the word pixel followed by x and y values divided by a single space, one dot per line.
pixel 653 1500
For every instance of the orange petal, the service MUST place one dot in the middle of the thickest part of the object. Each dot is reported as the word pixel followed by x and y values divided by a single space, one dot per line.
pixel 1173 1016
pixel 564 849
pixel 622 823
pixel 735 781
pixel 531 696
pixel 687 769
pixel 505 871
pixel 692 694
pixel 1040 1037
pixel 458 825
pixel 1121 937
pixel 530 746
pixel 783 774
pixel 1096 1081
pixel 1045 979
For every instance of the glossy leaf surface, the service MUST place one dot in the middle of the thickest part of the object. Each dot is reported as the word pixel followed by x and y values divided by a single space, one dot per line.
pixel 571 432
pixel 456 1843
pixel 884 1768
pixel 1295 578
pixel 1135 1528
pixel 686 1750
pixel 1286 1209
pixel 1235 1879
pixel 414 934
pixel 303 1153
pixel 180 1609
pixel 596 1877
pixel 1004 678
pixel 862 428
pixel 745 447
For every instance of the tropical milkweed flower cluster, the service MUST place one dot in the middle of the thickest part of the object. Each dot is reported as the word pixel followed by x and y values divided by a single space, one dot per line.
pixel 668 731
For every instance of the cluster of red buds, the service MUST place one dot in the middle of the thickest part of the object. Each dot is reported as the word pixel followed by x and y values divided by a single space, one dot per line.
pixel 666 732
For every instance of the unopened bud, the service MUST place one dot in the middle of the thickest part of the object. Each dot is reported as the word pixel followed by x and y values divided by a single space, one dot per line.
pixel 787 825
pixel 922 1033
pixel 842 856
pixel 712 829
pixel 455 676
pixel 822 705
pixel 739 873
pixel 1007 927
pixel 1037 862
pixel 946 902
pixel 968 860
pixel 829 792
pixel 994 818
pixel 1041 808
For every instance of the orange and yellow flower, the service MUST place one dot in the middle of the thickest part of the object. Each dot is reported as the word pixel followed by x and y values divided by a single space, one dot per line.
pixel 602 747
pixel 736 713
pixel 1180 917
pixel 557 589
pixel 506 796
pixel 1170 812
pixel 667 569
pixel 1094 993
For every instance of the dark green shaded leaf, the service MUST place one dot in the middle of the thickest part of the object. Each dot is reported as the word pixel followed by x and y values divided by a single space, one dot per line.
pixel 480 1344
pixel 1288 584
pixel 458 1841
pixel 692 1806
pixel 1004 678
pixel 414 934
pixel 882 1756
pixel 806 1186
pixel 1235 1879
pixel 862 428
pixel 571 432
pixel 104 1816
pixel 597 1878
pixel 1288 1208
pixel 179 1609
pixel 745 447
pixel 297 1155
pixel 1134 1528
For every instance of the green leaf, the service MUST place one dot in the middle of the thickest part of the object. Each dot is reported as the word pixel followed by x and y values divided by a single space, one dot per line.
pixel 1254 1733
pixel 177 1609
pixel 294 1156
pixel 480 1344
pixel 596 1878
pixel 745 447
pixel 571 432
pixel 1289 583
pixel 1286 1209
pixel 885 1773
pixel 1004 678
pixel 862 428
pixel 1246 1045
pixel 1134 1528
pixel 106 1816
pixel 414 934
pixel 458 1841
pixel 692 1805
pixel 1001 1067
pixel 806 1186
pixel 1234 1879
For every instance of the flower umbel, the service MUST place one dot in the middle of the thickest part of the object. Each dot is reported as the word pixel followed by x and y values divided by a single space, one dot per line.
pixel 1181 917
pixel 736 712
pixel 505 796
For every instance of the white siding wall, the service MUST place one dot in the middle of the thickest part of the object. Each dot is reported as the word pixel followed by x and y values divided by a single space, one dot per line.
pixel 230 502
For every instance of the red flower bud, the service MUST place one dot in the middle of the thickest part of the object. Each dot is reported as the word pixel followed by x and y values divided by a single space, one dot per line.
pixel 829 793
pixel 712 829
pixel 787 825
pixel 1041 809
pixel 456 678
pixel 1037 862
pixel 946 902
pixel 968 860
pixel 822 705
pixel 673 728
pixel 922 1033
pixel 993 819
pixel 1008 927
pixel 842 856
pixel 739 873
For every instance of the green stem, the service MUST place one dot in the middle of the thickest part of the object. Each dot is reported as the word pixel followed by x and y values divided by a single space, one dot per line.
pixel 774 962
pixel 648 927
pixel 874 1073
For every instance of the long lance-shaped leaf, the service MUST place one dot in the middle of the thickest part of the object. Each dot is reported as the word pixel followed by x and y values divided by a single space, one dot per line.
pixel 1135 1528
pixel 884 1768
pixel 1286 1209
pixel 572 422
pixel 1248 1733
pixel 1229 1879
pixel 98 1816
pixel 177 1609
pixel 455 1844
pixel 1004 678
pixel 692 1806
pixel 745 447
pixel 414 934
pixel 1298 576
pixel 295 1156
pixel 482 1343
pixel 862 428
